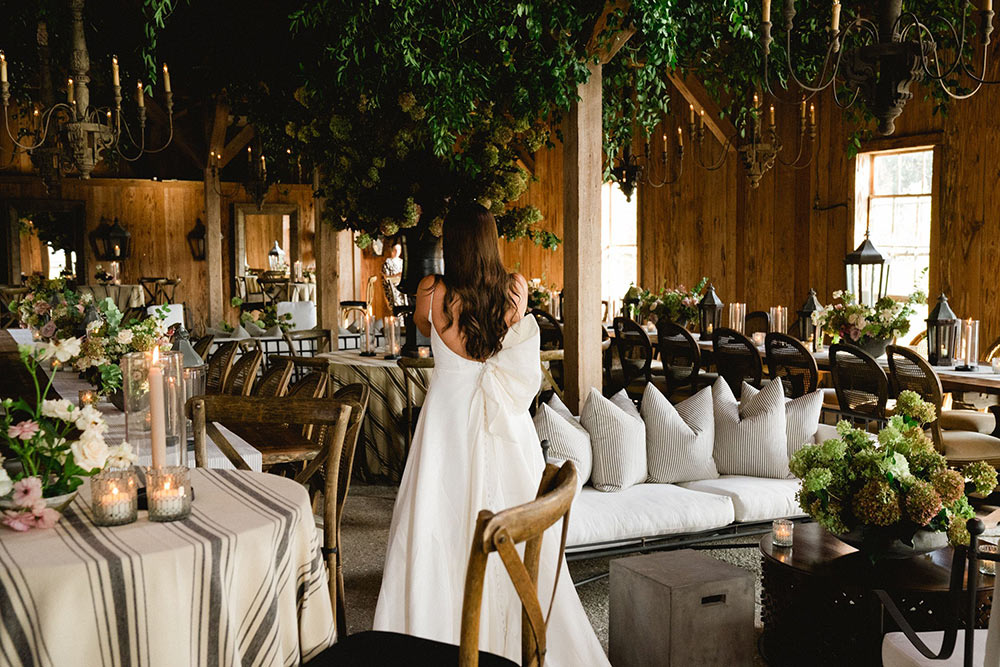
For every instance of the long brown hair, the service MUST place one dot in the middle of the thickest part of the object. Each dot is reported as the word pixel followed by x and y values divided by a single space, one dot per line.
pixel 474 274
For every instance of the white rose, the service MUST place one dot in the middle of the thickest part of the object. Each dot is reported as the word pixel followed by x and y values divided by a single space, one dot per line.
pixel 125 336
pixel 93 326
pixel 90 451
pixel 68 349
pixel 121 456
pixel 44 351
pixel 6 486
pixel 59 409
pixel 839 293
pixel 90 418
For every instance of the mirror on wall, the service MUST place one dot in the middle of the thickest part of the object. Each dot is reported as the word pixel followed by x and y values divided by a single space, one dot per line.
pixel 42 237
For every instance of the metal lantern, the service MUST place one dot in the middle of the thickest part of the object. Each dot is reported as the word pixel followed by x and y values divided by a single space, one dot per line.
pixel 196 241
pixel 112 242
pixel 942 334
pixel 867 273
pixel 807 330
pixel 710 309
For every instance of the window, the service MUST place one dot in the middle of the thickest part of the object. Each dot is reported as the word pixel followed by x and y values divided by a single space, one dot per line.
pixel 893 201
pixel 619 248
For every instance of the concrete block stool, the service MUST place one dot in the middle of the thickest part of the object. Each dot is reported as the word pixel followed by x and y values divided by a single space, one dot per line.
pixel 680 608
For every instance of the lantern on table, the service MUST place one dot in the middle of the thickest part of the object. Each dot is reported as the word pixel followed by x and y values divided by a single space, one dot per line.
pixel 710 310
pixel 867 273
pixel 942 334
pixel 807 328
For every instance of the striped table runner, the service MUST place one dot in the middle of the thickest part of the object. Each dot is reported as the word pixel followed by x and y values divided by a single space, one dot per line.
pixel 239 582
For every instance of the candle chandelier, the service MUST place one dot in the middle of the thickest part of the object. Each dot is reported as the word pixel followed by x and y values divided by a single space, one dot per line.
pixel 632 170
pixel 886 56
pixel 72 136
pixel 761 146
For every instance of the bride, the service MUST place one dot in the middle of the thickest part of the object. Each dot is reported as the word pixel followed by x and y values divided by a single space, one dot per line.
pixel 474 448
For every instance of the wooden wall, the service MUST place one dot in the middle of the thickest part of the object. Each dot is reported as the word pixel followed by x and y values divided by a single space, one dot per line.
pixel 768 246
pixel 261 233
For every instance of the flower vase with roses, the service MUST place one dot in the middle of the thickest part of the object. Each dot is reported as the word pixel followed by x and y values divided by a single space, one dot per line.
pixel 55 445
pixel 868 327
pixel 52 309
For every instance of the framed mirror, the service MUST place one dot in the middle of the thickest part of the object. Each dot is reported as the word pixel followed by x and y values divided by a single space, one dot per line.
pixel 43 236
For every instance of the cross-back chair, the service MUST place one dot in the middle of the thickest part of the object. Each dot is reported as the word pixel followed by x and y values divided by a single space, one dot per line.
pixel 499 533
pixel 274 382
pixel 861 384
pixel 681 357
pixel 308 342
pixel 756 321
pixel 203 345
pixel 9 297
pixel 635 353
pixel 219 365
pixel 736 359
pixel 791 362
pixel 241 378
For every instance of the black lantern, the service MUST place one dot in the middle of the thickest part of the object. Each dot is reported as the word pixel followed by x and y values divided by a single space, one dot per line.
pixel 942 334
pixel 867 273
pixel 111 242
pixel 196 241
pixel 710 308
pixel 807 329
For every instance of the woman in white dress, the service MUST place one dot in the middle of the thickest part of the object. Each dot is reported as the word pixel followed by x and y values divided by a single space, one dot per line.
pixel 474 448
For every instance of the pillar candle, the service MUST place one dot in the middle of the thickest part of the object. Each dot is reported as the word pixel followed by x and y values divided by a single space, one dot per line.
pixel 114 71
pixel 157 418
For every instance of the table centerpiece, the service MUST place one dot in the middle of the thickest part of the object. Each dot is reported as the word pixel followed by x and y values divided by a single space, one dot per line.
pixel 868 327
pixel 891 495
pixel 677 304
pixel 53 310
pixel 262 321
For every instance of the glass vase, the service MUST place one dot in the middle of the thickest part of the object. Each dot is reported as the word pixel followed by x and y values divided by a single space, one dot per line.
pixel 143 425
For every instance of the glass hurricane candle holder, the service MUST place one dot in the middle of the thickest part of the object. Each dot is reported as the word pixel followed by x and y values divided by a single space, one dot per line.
pixel 779 319
pixel 391 326
pixel 168 493
pixel 424 352
pixel 368 336
pixel 781 532
pixel 153 391
pixel 988 566
pixel 737 316
pixel 968 346
pixel 113 497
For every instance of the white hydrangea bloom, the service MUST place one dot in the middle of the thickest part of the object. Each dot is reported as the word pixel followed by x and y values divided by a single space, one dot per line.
pixel 59 409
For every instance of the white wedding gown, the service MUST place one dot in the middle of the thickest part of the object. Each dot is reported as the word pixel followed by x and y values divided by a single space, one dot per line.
pixel 474 448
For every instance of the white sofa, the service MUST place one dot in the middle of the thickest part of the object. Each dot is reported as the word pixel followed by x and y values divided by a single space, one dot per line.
pixel 647 513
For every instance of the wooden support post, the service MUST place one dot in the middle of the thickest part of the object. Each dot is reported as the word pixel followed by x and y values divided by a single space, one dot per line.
pixel 327 253
pixel 582 151
pixel 213 246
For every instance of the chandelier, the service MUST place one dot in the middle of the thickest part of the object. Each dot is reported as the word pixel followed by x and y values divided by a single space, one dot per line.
pixel 73 135
pixel 761 148
pixel 878 66
pixel 633 170
pixel 256 185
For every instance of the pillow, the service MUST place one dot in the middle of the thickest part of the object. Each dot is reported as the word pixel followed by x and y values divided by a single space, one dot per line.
pixel 562 410
pixel 679 438
pixel 801 417
pixel 750 435
pixel 618 440
pixel 568 441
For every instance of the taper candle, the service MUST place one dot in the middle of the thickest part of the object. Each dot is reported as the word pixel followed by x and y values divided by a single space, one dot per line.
pixel 114 71
pixel 766 12
pixel 70 97
pixel 3 68
pixel 166 78
pixel 140 94
pixel 835 19
pixel 157 417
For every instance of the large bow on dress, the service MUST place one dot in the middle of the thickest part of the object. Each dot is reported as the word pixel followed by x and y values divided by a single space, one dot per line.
pixel 510 379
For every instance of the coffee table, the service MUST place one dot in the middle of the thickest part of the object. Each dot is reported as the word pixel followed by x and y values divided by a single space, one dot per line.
pixel 819 608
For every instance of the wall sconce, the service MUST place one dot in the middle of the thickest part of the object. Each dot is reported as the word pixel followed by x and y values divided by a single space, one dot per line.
pixel 196 241
pixel 111 242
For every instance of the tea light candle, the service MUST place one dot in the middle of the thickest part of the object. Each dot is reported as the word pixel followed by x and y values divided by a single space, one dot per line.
pixel 988 566
pixel 781 532
pixel 113 497
pixel 168 493
pixel 87 397
pixel 424 352
pixel 758 338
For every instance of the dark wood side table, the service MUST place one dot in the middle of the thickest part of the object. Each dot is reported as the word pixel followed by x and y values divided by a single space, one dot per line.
pixel 818 605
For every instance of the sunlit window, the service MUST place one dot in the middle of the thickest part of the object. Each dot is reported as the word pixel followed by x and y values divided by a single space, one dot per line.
pixel 894 203
pixel 619 224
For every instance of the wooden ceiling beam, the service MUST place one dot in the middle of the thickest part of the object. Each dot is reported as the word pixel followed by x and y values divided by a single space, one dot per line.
pixel 220 123
pixel 693 90
pixel 236 144
pixel 180 139
pixel 606 40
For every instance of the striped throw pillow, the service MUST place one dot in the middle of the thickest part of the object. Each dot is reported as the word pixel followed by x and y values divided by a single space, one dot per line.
pixel 750 435
pixel 801 417
pixel 618 440
pixel 679 438
pixel 568 441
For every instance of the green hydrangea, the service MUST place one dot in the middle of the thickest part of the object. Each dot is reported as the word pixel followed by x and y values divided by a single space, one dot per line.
pixel 982 475
pixel 436 226
pixel 949 484
pixel 911 405
pixel 922 503
pixel 817 479
pixel 958 533
pixel 877 503
pixel 388 227
pixel 363 240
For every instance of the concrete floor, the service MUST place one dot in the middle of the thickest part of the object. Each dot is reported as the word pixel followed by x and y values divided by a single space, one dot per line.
pixel 365 531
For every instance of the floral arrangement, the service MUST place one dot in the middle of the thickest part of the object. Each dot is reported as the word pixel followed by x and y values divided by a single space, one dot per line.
pixel 102 276
pixel 52 309
pixel 539 295
pixel 678 304
pixel 263 318
pixel 56 444
pixel 108 339
pixel 856 322
pixel 890 487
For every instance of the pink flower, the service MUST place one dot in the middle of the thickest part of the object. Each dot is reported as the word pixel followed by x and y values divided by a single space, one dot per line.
pixel 45 517
pixel 19 521
pixel 80 308
pixel 25 430
pixel 49 329
pixel 41 307
pixel 27 491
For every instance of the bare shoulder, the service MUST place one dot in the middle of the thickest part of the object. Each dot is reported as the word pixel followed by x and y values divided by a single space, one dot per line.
pixel 427 283
pixel 521 292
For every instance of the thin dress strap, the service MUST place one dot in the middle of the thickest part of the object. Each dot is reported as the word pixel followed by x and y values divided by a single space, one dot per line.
pixel 430 305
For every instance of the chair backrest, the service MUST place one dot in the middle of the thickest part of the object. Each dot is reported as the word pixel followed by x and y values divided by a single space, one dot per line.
pixel 908 370
pixel 992 351
pixel 203 345
pixel 502 532
pixel 635 351
pixel 241 378
pixel 755 321
pixel 308 342
pixel 679 352
pixel 370 289
pixel 737 359
pixel 861 384
pixel 791 362
pixel 219 365
pixel 274 382
pixel 9 297
pixel 312 385
pixel 360 394
pixel 551 330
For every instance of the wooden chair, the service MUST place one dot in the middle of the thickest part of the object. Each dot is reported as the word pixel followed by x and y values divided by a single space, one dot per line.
pixel 500 533
pixel 861 384
pixel 9 297
pixel 681 358
pixel 274 382
pixel 308 342
pixel 635 352
pixel 551 330
pixel 791 362
pixel 203 345
pixel 756 321
pixel 909 370
pixel 548 359
pixel 736 359
pixel 219 365
pixel 312 385
pixel 252 295
pixel 412 377
pixel 240 380
pixel 275 289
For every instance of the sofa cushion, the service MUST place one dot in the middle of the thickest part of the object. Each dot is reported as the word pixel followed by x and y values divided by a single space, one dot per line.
pixel 754 498
pixel 967 420
pixel 618 440
pixel 750 435
pixel 801 417
pixel 679 438
pixel 961 447
pixel 568 441
pixel 644 510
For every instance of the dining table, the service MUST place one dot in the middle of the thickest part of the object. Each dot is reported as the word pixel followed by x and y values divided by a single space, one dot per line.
pixel 125 297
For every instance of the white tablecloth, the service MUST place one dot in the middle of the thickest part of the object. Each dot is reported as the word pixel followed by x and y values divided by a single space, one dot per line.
pixel 124 296
pixel 303 291
pixel 239 582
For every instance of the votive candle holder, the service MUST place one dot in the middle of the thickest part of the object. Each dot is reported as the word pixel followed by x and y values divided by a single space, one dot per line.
pixel 781 532
pixel 988 566
pixel 87 397
pixel 113 497
pixel 168 493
